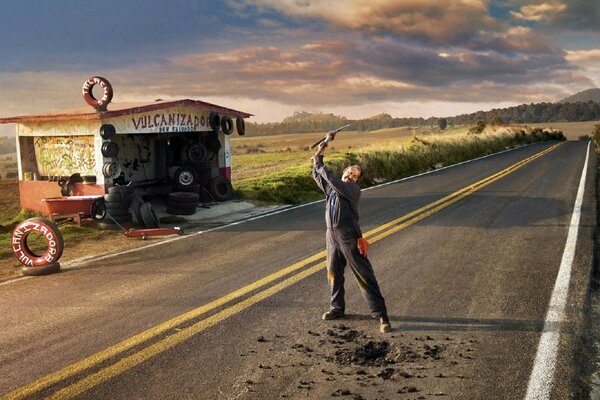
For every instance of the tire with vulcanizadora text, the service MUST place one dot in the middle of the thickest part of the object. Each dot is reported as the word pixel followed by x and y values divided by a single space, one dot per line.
pixel 42 227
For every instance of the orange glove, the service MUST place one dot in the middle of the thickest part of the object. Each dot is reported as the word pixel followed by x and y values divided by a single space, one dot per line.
pixel 362 245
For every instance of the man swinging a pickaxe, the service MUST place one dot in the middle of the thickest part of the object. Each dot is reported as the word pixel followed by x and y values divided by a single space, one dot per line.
pixel 345 244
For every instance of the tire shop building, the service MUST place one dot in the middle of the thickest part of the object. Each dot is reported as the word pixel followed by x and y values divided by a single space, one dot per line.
pixel 152 149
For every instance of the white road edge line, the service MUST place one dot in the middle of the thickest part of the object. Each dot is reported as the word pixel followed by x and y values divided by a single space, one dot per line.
pixel 82 261
pixel 542 375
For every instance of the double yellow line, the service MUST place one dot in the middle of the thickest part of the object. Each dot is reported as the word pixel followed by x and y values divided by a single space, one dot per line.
pixel 316 263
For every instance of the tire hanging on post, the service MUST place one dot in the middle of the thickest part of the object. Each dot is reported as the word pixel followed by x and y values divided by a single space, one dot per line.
pixel 107 131
pixel 227 125
pixel 240 124
pixel 110 149
pixel 214 121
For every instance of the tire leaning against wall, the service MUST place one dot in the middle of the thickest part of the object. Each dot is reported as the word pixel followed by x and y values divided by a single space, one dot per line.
pixel 149 216
pixel 54 240
pixel 220 188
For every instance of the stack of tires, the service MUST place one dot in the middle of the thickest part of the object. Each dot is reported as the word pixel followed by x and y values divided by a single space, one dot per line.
pixel 118 201
pixel 182 203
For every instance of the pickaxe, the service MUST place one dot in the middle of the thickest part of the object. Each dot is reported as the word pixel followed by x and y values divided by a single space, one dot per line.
pixel 329 137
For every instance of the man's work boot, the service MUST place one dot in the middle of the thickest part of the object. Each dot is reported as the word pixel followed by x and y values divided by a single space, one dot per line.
pixel 330 315
pixel 384 324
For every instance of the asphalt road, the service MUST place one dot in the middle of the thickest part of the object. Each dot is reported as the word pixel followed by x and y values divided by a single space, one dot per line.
pixel 468 275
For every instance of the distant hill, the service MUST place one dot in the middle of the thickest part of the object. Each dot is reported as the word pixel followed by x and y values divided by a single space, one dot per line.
pixel 583 96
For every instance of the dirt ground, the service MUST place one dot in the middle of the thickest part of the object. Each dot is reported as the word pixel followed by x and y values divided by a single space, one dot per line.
pixel 9 199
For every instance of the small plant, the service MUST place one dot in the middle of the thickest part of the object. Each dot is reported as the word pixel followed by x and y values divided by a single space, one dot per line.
pixel 478 128
pixel 442 123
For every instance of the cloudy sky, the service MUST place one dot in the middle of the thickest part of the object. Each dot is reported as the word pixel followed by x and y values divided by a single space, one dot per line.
pixel 272 57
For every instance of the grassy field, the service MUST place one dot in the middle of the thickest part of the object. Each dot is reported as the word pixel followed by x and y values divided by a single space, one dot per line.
pixel 287 179
pixel 571 130
pixel 256 156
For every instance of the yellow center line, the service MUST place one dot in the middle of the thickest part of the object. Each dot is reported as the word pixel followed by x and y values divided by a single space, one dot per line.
pixel 164 344
pixel 468 189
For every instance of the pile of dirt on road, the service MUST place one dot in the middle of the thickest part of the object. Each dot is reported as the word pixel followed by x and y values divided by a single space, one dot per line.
pixel 346 362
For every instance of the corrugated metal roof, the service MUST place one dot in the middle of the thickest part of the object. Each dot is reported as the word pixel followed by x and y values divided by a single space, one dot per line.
pixel 117 110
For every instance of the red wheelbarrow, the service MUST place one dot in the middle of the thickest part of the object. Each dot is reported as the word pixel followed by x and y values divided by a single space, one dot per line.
pixel 71 206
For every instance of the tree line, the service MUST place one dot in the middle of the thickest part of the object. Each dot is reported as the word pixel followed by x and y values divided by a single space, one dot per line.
pixel 302 122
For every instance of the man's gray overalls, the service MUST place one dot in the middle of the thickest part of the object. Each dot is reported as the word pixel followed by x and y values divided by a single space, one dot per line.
pixel 341 216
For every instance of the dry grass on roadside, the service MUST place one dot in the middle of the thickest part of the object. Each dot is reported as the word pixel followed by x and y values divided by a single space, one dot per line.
pixel 571 130
pixel 387 161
